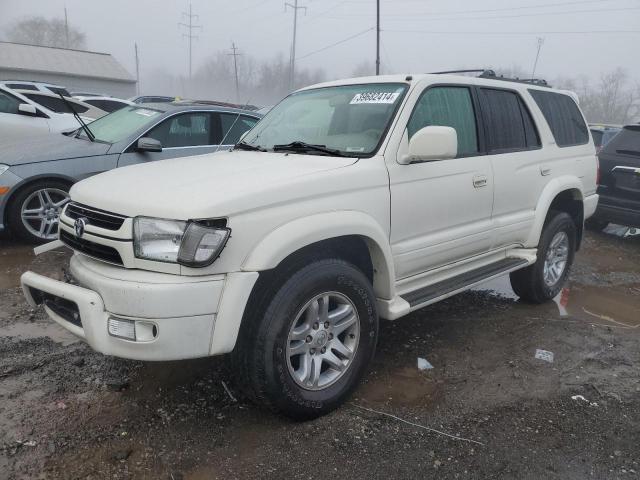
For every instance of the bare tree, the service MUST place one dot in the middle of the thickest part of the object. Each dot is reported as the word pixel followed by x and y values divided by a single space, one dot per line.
pixel 46 32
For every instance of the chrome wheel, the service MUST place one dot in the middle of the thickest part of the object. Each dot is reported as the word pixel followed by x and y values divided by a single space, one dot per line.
pixel 323 340
pixel 41 210
pixel 556 259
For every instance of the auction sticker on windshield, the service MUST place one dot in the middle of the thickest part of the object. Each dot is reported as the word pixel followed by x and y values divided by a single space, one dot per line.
pixel 145 112
pixel 374 97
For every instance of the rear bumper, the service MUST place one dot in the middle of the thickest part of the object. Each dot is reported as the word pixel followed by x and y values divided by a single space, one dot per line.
pixel 590 205
pixel 615 214
pixel 180 317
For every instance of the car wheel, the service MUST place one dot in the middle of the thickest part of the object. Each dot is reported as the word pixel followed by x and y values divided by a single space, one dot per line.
pixel 308 351
pixel 596 224
pixel 544 279
pixel 35 211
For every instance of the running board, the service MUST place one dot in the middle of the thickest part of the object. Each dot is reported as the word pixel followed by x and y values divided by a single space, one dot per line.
pixel 463 281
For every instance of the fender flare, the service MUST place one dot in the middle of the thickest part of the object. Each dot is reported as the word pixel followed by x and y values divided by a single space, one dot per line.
pixel 548 195
pixel 305 231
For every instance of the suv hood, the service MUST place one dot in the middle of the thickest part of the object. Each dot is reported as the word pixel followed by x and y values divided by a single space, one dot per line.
pixel 48 147
pixel 206 186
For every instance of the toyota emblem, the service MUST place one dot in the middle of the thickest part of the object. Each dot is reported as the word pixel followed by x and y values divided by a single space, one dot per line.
pixel 79 226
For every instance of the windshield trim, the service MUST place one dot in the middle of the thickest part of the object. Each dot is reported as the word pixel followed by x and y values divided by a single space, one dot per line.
pixel 406 87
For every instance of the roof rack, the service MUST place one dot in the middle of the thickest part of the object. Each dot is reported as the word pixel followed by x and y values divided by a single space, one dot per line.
pixel 487 73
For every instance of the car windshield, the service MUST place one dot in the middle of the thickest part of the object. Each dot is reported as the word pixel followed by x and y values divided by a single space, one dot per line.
pixel 348 119
pixel 626 142
pixel 120 124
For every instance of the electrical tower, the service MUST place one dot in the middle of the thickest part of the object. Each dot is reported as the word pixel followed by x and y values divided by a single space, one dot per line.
pixel 235 56
pixel 377 37
pixel 190 17
pixel 292 62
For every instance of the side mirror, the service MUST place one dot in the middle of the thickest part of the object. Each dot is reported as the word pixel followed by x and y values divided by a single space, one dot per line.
pixel 148 144
pixel 27 109
pixel 432 143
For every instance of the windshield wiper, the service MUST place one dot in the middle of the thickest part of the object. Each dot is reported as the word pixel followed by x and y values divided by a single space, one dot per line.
pixel 299 146
pixel 247 146
pixel 84 126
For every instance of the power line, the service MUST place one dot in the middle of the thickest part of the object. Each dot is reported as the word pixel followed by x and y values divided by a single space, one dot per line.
pixel 190 27
pixel 292 66
pixel 336 43
pixel 558 32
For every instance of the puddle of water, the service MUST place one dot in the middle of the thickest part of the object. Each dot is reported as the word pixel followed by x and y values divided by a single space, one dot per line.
pixel 616 305
pixel 405 386
pixel 27 331
pixel 14 260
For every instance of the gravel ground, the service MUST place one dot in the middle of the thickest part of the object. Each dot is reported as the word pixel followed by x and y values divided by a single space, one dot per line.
pixel 488 408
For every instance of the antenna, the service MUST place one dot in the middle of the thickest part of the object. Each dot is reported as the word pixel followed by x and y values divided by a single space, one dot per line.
pixel 535 64
pixel 190 27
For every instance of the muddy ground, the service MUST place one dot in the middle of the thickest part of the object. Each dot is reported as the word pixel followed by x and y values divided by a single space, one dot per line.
pixel 66 412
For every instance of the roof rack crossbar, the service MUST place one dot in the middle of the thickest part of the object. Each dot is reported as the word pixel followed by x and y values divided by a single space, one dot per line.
pixel 490 74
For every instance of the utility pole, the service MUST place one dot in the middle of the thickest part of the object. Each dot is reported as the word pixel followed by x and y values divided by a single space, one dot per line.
pixel 190 27
pixel 535 64
pixel 292 62
pixel 377 37
pixel 66 28
pixel 235 56
pixel 135 45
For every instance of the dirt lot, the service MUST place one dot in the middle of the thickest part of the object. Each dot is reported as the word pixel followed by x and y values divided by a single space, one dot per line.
pixel 66 412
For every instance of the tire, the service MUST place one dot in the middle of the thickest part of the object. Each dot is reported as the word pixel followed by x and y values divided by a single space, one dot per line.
pixel 596 224
pixel 530 283
pixel 48 196
pixel 277 343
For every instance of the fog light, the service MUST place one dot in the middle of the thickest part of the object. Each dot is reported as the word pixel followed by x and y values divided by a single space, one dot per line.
pixel 121 328
pixel 137 331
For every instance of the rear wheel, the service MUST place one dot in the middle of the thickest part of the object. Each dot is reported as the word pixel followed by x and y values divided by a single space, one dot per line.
pixel 35 211
pixel 307 352
pixel 544 279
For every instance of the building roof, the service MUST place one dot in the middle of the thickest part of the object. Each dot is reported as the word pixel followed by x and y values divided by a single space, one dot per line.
pixel 61 61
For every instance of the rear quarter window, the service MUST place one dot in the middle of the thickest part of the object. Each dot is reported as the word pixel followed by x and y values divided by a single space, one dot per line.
pixel 563 116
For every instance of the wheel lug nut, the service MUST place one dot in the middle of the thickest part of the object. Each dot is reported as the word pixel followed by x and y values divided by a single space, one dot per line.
pixel 331 336
pixel 312 351
pixel 326 324
pixel 351 335
pixel 316 326
pixel 308 339
pixel 324 349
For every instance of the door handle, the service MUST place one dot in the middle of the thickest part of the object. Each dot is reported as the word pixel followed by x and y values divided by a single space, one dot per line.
pixel 480 181
pixel 545 170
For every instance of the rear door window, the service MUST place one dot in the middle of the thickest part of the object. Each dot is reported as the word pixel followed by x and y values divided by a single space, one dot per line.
pixel 448 107
pixel 563 116
pixel 507 121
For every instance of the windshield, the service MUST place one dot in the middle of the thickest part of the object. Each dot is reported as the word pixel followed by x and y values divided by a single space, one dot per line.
pixel 350 119
pixel 120 124
pixel 626 141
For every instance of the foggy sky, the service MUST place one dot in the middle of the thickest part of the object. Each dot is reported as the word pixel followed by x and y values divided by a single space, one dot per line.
pixel 261 28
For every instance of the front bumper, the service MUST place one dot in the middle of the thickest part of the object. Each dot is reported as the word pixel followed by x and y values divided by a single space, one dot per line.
pixel 189 317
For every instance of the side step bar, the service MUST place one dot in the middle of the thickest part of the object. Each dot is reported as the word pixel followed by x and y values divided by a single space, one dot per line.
pixel 468 279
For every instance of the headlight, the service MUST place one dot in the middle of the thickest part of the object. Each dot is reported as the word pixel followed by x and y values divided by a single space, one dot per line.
pixel 3 168
pixel 191 244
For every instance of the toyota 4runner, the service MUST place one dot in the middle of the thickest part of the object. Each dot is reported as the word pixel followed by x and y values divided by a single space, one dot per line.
pixel 350 201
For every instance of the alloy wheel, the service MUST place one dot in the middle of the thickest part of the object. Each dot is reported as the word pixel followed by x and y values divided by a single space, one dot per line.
pixel 40 212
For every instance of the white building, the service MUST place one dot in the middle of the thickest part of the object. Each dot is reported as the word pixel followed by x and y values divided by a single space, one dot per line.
pixel 78 70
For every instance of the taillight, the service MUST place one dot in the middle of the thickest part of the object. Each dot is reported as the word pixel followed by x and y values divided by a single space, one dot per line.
pixel 597 172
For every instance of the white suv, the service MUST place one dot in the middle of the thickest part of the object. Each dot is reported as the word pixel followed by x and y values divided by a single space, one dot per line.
pixel 350 201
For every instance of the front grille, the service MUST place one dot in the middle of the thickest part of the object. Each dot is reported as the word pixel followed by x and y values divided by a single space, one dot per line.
pixel 96 250
pixel 97 218
pixel 60 306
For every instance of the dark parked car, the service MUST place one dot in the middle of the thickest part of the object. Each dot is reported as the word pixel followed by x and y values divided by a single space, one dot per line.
pixel 35 176
pixel 602 134
pixel 620 181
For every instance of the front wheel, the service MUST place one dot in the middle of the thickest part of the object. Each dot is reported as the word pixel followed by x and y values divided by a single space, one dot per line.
pixel 544 279
pixel 309 349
